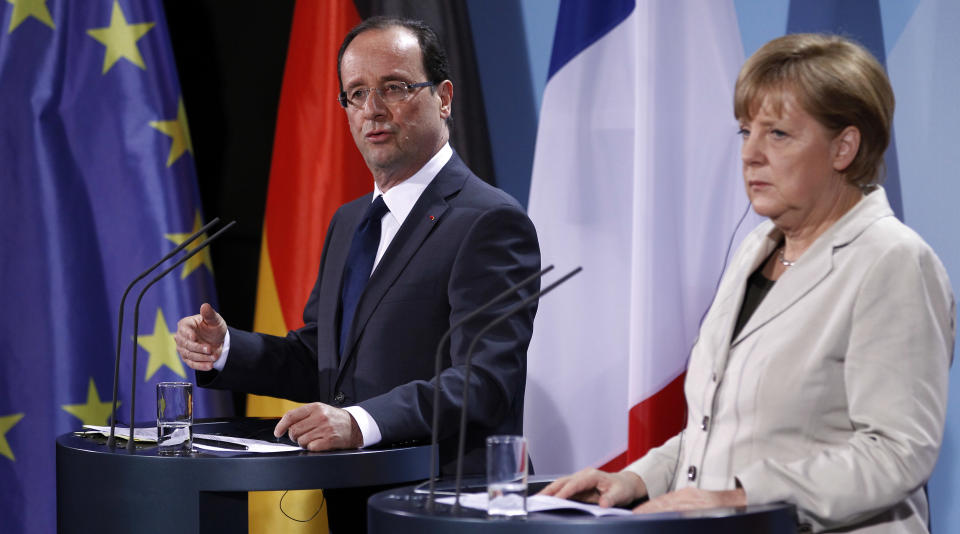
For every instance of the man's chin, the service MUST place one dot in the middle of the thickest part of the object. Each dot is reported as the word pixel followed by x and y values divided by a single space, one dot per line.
pixel 380 157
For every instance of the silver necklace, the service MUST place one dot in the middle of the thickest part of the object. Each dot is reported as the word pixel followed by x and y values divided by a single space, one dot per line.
pixel 784 261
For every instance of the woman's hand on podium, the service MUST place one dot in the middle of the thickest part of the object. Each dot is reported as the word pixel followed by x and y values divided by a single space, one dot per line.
pixel 598 487
pixel 200 338
pixel 691 498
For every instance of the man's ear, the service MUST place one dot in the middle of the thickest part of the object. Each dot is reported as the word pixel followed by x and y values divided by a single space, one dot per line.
pixel 847 144
pixel 445 92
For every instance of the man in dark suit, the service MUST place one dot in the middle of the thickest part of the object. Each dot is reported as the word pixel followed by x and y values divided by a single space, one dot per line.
pixel 444 242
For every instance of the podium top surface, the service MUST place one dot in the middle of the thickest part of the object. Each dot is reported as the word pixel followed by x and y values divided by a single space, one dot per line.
pixel 243 471
pixel 404 510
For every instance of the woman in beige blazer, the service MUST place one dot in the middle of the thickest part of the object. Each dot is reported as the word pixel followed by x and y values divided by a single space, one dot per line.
pixel 819 377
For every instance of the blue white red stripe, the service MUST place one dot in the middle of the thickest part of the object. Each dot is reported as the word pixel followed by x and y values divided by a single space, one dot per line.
pixel 637 178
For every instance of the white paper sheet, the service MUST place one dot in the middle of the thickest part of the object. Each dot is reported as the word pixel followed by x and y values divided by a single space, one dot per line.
pixel 537 503
pixel 149 435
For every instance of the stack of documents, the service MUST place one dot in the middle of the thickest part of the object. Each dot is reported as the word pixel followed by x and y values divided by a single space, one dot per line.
pixel 210 442
pixel 538 503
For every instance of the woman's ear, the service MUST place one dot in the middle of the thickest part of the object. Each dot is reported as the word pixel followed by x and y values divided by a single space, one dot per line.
pixel 847 144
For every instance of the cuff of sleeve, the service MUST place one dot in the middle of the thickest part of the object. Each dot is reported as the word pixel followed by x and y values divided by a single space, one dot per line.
pixel 655 475
pixel 220 362
pixel 762 488
pixel 759 487
pixel 369 429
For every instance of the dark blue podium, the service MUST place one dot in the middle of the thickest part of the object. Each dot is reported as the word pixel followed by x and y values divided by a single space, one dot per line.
pixel 404 511
pixel 99 488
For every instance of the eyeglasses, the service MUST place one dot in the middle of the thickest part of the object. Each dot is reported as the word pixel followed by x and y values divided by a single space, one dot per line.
pixel 390 93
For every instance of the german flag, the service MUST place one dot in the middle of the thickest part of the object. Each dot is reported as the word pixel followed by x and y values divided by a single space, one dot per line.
pixel 314 169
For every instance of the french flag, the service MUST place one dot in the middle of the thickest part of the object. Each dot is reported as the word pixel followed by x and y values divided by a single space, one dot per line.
pixel 637 178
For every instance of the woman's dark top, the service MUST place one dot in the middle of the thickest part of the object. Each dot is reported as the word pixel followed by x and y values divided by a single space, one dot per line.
pixel 757 288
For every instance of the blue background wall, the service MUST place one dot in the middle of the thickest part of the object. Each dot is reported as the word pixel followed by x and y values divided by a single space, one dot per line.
pixel 922 45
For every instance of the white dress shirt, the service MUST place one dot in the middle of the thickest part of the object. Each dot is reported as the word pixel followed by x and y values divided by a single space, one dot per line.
pixel 400 200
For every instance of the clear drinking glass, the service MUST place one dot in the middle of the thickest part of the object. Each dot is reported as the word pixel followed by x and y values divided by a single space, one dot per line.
pixel 174 418
pixel 507 476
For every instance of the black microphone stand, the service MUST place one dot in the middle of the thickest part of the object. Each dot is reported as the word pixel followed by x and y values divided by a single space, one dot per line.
pixel 438 358
pixel 112 440
pixel 136 322
pixel 466 375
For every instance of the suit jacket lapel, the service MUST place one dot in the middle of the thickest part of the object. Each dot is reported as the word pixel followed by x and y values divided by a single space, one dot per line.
pixel 421 220
pixel 815 264
pixel 791 287
pixel 731 295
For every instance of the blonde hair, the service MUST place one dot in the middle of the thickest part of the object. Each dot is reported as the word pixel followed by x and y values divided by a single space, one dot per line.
pixel 835 80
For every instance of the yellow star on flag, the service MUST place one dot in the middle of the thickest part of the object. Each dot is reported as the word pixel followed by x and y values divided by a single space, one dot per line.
pixel 162 349
pixel 22 9
pixel 178 130
pixel 94 412
pixel 6 423
pixel 121 39
pixel 202 257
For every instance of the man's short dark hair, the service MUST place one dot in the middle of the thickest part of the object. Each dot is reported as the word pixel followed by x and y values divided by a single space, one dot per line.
pixel 431 51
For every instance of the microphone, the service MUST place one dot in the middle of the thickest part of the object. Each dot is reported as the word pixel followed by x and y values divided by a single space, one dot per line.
pixel 136 320
pixel 466 375
pixel 112 441
pixel 434 459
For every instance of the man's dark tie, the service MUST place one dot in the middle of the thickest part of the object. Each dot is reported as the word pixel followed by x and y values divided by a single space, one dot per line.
pixel 363 250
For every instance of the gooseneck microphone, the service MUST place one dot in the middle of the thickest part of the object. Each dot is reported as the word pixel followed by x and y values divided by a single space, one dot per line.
pixel 434 459
pixel 466 375
pixel 136 321
pixel 112 441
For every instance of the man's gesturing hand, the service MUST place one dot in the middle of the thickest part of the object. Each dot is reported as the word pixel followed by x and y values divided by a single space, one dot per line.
pixel 320 427
pixel 200 338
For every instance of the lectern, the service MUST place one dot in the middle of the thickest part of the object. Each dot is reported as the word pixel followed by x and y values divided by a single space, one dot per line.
pixel 99 488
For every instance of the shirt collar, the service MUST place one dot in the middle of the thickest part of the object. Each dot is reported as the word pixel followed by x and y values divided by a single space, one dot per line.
pixel 401 197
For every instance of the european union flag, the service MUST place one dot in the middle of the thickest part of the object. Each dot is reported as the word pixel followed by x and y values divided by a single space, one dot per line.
pixel 96 183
